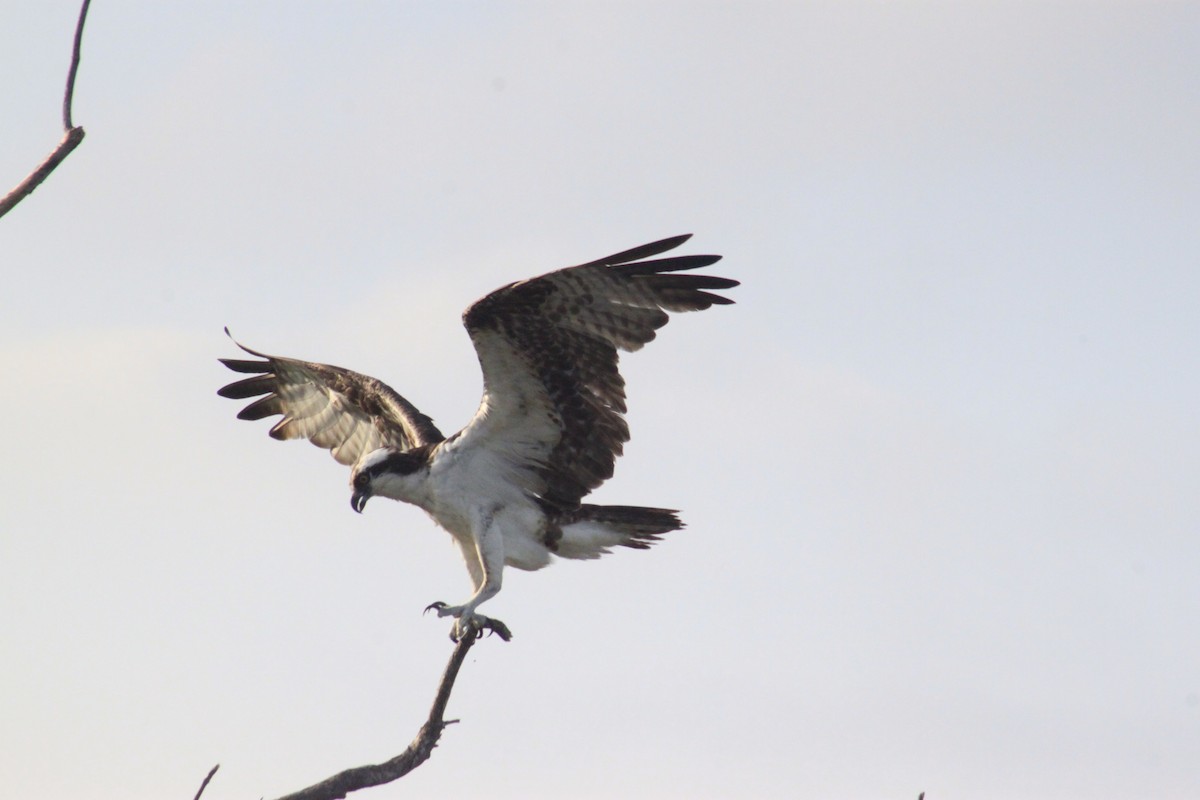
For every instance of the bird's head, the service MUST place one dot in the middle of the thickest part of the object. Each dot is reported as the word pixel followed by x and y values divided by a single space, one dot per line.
pixel 388 472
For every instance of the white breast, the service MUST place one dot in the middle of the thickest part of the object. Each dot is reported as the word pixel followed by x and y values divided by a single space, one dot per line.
pixel 471 488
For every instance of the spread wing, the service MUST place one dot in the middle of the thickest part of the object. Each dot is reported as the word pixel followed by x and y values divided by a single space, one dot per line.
pixel 554 402
pixel 345 412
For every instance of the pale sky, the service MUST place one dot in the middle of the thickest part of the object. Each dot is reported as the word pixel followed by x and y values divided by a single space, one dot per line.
pixel 940 464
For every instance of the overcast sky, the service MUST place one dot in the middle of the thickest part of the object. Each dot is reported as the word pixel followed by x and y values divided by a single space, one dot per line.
pixel 940 464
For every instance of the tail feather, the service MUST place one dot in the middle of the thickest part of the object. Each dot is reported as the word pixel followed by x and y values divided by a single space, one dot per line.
pixel 590 531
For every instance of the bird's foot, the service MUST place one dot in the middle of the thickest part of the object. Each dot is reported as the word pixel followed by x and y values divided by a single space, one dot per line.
pixel 468 623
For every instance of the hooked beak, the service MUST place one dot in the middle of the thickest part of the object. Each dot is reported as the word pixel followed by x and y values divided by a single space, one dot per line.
pixel 358 500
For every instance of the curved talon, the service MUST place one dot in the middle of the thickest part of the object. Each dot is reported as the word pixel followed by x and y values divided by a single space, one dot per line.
pixel 469 623
pixel 492 626
pixel 500 629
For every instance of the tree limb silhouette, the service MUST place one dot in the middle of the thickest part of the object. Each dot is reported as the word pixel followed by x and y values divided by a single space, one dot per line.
pixel 207 778
pixel 418 751
pixel 72 135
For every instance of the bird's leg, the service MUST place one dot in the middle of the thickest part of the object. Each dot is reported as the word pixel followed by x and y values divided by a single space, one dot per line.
pixel 489 550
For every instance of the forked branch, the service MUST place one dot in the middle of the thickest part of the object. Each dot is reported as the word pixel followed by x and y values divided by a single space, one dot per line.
pixel 72 135
pixel 416 753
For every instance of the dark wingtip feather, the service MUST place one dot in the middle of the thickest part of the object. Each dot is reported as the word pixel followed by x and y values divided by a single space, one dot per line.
pixel 716 299
pixel 249 387
pixel 691 282
pixel 643 251
pixel 673 264
pixel 264 407
pixel 245 365
pixel 713 282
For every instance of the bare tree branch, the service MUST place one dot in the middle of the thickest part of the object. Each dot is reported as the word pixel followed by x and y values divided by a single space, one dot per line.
pixel 72 135
pixel 207 778
pixel 26 187
pixel 418 752
pixel 69 94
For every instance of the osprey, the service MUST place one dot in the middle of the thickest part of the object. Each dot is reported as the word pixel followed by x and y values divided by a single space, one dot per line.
pixel 508 487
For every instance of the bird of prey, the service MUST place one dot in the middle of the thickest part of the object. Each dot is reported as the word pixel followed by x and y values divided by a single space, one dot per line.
pixel 509 486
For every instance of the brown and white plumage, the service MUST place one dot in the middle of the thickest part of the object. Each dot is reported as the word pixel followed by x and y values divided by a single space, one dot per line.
pixel 345 412
pixel 548 430
pixel 548 350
